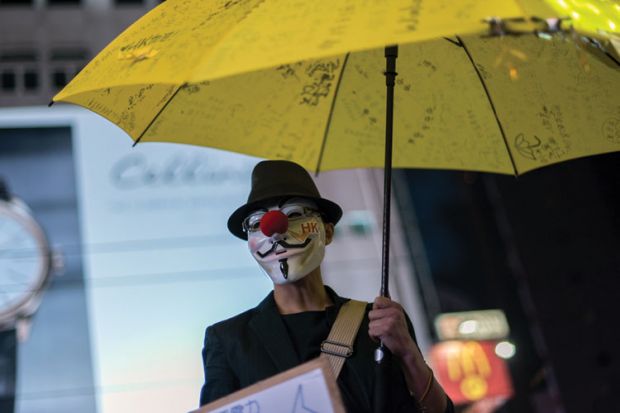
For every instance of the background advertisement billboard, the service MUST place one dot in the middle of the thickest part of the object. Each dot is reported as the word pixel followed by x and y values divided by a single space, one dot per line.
pixel 154 262
pixel 470 371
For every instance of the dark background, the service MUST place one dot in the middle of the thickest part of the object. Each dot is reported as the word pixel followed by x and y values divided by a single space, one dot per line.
pixel 545 248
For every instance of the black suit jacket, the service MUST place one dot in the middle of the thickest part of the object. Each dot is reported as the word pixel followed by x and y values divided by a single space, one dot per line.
pixel 255 345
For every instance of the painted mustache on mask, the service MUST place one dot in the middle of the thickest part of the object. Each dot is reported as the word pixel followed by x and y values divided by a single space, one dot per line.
pixel 283 244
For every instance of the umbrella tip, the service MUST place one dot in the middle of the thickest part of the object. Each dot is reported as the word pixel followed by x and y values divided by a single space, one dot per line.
pixel 49 105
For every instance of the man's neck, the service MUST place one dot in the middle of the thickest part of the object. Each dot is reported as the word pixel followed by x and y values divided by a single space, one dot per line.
pixel 307 294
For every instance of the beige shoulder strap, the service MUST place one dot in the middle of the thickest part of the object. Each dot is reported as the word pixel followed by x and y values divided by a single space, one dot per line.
pixel 339 343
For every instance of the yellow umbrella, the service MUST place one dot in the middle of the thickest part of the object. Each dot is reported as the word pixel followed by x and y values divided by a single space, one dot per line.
pixel 595 17
pixel 189 72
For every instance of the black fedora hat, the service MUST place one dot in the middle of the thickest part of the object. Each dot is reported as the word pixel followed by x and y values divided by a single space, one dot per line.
pixel 274 180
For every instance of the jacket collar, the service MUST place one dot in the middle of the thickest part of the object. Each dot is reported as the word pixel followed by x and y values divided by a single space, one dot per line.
pixel 271 331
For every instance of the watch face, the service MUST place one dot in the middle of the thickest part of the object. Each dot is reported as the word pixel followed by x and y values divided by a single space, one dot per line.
pixel 24 261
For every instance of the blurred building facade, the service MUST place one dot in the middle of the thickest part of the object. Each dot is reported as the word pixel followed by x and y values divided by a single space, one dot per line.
pixel 44 43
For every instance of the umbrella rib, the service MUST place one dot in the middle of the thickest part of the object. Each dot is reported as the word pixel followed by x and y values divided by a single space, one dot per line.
pixel 453 42
pixel 613 59
pixel 331 112
pixel 486 90
pixel 158 113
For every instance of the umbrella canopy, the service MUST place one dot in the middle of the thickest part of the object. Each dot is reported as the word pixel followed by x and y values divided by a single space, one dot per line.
pixel 505 105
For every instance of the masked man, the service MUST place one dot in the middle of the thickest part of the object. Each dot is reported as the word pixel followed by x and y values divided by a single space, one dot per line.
pixel 287 226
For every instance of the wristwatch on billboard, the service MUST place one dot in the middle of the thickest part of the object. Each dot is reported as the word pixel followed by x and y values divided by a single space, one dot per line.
pixel 26 262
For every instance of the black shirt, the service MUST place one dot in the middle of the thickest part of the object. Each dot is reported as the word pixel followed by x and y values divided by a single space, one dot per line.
pixel 307 330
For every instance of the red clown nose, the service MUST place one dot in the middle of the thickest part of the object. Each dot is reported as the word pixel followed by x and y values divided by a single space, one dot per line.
pixel 273 222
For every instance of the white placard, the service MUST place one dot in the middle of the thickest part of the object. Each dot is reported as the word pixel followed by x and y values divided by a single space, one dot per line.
pixel 309 387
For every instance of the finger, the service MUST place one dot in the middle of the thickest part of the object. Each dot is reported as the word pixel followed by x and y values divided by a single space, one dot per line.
pixel 379 313
pixel 378 331
pixel 382 302
pixel 384 326
pixel 390 312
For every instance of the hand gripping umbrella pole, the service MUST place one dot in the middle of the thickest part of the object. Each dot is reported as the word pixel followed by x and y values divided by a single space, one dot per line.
pixel 382 354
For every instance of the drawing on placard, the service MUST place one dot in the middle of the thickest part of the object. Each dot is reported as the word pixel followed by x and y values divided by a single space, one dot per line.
pixel 252 406
pixel 300 404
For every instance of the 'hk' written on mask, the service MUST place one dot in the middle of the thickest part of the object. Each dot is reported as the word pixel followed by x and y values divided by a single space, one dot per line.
pixel 310 228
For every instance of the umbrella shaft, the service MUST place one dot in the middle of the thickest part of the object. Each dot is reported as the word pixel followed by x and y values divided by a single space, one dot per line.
pixel 391 53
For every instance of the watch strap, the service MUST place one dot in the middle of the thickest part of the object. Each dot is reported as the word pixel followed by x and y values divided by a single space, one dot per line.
pixel 8 370
pixel 4 191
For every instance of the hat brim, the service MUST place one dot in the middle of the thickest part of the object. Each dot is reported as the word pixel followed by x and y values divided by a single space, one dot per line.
pixel 330 210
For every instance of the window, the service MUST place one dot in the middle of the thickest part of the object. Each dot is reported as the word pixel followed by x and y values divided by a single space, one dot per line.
pixel 63 2
pixel 59 79
pixel 7 81
pixel 19 71
pixel 31 80
pixel 65 63
pixel 16 2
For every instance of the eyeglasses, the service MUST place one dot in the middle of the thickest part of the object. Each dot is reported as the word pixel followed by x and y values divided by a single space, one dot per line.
pixel 294 212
